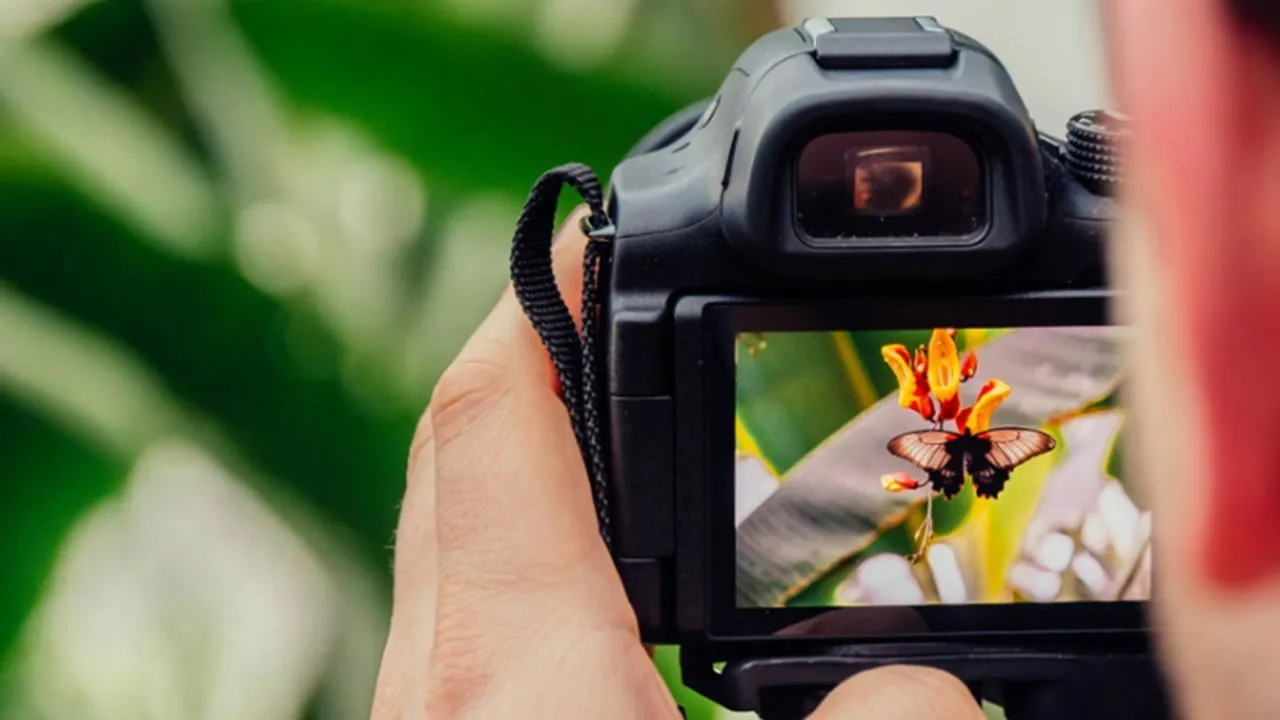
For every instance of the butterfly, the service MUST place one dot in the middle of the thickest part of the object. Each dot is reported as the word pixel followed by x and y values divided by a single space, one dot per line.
pixel 988 457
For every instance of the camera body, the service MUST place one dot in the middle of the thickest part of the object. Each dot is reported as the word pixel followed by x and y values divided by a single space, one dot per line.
pixel 868 173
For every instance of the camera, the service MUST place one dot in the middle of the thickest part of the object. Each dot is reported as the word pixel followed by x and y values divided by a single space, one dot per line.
pixel 858 380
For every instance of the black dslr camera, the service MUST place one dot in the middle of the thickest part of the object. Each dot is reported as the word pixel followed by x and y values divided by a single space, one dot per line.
pixel 847 386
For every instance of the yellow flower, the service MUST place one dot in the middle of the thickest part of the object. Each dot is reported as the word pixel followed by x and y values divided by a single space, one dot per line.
pixel 913 385
pixel 899 361
pixel 977 419
pixel 944 366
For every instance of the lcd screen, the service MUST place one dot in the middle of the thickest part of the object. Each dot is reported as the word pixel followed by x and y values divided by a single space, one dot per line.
pixel 934 466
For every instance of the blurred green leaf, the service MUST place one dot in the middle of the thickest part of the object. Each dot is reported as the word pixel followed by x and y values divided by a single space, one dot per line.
pixel 949 515
pixel 478 112
pixel 789 413
pixel 1115 461
pixel 117 38
pixel 265 372
pixel 145 174
pixel 1109 402
pixel 49 480
pixel 473 110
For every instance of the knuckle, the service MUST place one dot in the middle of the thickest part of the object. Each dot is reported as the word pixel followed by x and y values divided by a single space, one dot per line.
pixel 423 436
pixel 423 433
pixel 468 391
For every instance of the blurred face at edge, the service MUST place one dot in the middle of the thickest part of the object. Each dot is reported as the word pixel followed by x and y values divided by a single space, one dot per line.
pixel 1199 258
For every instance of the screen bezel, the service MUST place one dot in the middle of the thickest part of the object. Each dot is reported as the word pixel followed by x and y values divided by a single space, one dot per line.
pixel 721 322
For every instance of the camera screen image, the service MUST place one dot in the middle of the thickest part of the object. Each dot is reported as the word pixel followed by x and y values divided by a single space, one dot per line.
pixel 935 466
pixel 881 184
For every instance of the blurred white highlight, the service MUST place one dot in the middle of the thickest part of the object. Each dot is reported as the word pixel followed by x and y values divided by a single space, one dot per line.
pixel 1121 518
pixel 1054 552
pixel 85 381
pixel 276 248
pixel 1036 583
pixel 581 34
pixel 381 204
pixel 1090 572
pixel 947 576
pixel 1094 534
pixel 23 18
pixel 887 580
pixel 187 598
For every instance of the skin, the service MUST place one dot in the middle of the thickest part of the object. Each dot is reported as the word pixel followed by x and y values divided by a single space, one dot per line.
pixel 506 603
pixel 1200 258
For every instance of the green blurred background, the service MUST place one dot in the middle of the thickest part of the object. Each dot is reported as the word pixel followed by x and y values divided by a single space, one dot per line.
pixel 239 240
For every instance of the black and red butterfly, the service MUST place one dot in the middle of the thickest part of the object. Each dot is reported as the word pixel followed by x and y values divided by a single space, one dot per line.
pixel 988 457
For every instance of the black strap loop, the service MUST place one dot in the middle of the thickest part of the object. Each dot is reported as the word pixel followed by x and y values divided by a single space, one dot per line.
pixel 573 355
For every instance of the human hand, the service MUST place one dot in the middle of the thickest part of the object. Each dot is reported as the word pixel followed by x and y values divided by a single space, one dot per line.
pixel 506 601
pixel 1199 257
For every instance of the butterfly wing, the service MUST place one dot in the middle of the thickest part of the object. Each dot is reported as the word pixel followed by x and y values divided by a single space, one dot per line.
pixel 1010 447
pixel 934 452
pixel 1003 450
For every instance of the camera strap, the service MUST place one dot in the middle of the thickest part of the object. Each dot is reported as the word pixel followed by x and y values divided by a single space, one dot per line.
pixel 572 353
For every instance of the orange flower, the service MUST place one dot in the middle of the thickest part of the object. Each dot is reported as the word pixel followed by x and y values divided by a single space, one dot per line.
pixel 944 372
pixel 950 409
pixel 913 384
pixel 944 366
pixel 977 419
pixel 899 361
pixel 968 366
pixel 924 406
pixel 899 482
pixel 929 382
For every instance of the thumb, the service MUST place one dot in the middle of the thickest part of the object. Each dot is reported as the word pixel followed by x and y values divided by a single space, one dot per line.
pixel 900 693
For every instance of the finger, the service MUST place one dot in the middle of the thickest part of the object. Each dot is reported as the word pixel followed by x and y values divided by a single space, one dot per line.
pixel 513 496
pixel 403 679
pixel 527 590
pixel 511 487
pixel 568 244
pixel 1198 255
pixel 1202 97
pixel 900 693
